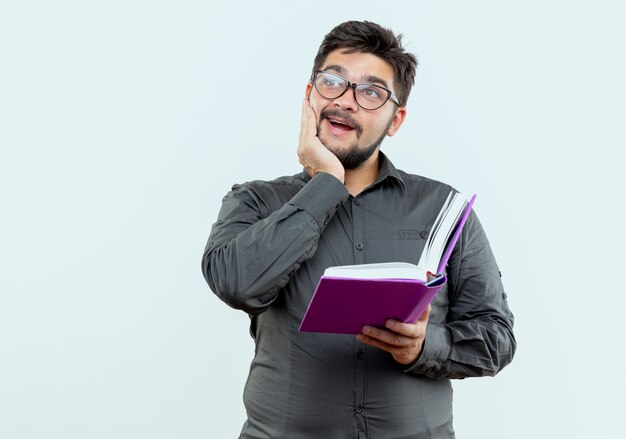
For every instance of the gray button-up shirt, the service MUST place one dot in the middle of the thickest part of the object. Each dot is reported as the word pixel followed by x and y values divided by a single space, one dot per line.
pixel 266 252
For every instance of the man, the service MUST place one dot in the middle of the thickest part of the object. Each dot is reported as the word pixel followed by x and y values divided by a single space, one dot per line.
pixel 350 205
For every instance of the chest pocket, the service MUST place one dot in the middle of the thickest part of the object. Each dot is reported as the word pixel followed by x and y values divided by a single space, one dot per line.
pixel 397 245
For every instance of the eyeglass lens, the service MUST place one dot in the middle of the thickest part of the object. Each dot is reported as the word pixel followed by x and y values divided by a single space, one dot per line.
pixel 368 96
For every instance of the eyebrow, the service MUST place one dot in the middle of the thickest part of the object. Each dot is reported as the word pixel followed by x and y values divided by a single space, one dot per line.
pixel 369 78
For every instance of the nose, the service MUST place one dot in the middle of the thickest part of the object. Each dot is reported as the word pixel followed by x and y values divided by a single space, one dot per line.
pixel 347 101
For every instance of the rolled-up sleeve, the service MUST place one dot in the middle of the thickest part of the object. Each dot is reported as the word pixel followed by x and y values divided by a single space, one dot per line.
pixel 476 337
pixel 254 249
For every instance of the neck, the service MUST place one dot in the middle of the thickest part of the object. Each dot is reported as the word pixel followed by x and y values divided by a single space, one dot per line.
pixel 356 180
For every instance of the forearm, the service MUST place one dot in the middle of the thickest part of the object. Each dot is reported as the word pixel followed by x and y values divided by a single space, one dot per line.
pixel 479 347
pixel 252 253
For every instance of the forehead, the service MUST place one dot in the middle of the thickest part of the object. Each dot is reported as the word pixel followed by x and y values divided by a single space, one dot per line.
pixel 360 67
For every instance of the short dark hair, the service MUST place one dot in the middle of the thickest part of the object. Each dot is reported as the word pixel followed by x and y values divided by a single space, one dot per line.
pixel 368 37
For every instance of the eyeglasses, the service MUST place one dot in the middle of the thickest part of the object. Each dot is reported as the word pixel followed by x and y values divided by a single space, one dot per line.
pixel 367 96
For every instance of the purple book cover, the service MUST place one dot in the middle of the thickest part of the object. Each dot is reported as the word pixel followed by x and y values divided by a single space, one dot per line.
pixel 344 305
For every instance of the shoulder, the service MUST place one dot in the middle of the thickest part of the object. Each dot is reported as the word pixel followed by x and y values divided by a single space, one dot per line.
pixel 418 185
pixel 277 185
pixel 267 195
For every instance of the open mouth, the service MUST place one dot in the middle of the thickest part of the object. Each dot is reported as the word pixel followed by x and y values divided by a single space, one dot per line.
pixel 337 124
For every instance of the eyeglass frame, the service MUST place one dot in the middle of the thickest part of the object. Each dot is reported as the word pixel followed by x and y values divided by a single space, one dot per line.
pixel 353 85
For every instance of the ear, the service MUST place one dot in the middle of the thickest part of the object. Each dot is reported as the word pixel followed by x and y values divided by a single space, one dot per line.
pixel 307 92
pixel 398 120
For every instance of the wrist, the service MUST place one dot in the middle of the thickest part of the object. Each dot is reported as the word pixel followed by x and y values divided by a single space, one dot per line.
pixel 340 175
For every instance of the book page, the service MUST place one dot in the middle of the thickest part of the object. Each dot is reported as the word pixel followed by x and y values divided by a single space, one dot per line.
pixel 441 231
pixel 387 270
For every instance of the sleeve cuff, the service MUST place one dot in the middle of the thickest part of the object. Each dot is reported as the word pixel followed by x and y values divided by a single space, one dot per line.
pixel 321 197
pixel 436 350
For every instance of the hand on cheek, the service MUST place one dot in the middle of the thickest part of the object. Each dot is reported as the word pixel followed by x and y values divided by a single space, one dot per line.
pixel 312 154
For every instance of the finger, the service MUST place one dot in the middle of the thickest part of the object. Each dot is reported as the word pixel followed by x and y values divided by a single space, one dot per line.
pixel 412 330
pixel 387 337
pixel 425 314
pixel 371 341
pixel 304 122
pixel 402 354
pixel 312 119
pixel 308 127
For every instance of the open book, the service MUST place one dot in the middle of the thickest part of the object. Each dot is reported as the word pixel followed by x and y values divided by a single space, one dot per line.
pixel 351 296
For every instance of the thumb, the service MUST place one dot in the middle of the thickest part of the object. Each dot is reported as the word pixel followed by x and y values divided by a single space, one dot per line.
pixel 425 314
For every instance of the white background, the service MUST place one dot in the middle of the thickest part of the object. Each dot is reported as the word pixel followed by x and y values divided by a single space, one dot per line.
pixel 123 123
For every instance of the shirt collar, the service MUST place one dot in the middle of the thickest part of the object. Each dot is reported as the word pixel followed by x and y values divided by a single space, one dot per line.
pixel 386 170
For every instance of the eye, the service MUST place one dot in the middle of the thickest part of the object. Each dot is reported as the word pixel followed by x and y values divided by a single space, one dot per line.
pixel 371 92
pixel 329 81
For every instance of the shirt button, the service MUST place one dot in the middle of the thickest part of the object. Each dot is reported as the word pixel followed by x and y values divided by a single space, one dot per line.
pixel 357 202
pixel 360 355
pixel 359 246
pixel 359 409
pixel 424 234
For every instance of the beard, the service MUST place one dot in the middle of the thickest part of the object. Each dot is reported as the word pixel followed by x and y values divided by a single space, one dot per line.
pixel 354 156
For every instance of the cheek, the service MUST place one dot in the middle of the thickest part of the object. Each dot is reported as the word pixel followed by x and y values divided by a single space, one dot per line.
pixel 375 127
pixel 386 124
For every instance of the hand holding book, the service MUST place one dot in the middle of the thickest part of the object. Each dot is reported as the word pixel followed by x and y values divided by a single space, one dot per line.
pixel 404 341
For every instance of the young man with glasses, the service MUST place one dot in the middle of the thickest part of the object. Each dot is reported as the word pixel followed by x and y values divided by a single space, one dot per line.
pixel 350 205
